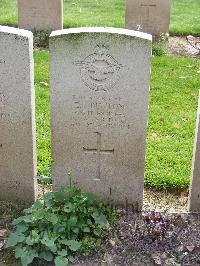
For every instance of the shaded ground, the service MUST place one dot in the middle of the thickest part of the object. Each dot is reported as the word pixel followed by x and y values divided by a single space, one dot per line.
pixel 128 241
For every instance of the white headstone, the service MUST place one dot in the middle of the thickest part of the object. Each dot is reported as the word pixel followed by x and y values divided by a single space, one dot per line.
pixel 40 14
pixel 194 198
pixel 100 81
pixel 17 121
pixel 151 16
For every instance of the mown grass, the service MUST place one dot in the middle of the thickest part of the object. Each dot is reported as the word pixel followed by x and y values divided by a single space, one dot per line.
pixel 173 104
pixel 42 111
pixel 185 15
pixel 174 89
pixel 8 12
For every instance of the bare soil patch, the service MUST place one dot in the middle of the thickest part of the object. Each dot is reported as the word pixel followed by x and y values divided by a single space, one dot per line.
pixel 184 46
pixel 128 241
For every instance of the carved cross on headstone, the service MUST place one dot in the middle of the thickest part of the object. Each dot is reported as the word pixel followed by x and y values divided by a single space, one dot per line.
pixel 146 18
pixel 98 151
pixel 147 4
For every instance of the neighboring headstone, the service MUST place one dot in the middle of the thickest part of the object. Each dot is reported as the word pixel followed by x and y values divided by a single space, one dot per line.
pixel 99 107
pixel 40 14
pixel 194 197
pixel 151 16
pixel 17 121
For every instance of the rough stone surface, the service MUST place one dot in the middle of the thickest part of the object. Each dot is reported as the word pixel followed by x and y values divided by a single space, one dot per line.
pixel 17 121
pixel 194 197
pixel 99 108
pixel 151 16
pixel 40 14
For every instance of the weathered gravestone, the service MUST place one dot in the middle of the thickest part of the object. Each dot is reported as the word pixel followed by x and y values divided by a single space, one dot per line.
pixel 194 197
pixel 40 14
pixel 99 107
pixel 151 16
pixel 17 122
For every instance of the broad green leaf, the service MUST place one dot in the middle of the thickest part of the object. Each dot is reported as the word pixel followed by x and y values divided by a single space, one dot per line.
pixel 44 179
pixel 71 259
pixel 48 196
pixel 29 241
pixel 72 221
pixel 14 239
pixel 97 232
pixel 63 253
pixel 28 211
pixel 86 229
pixel 26 260
pixel 46 255
pixel 68 207
pixel 63 241
pixel 101 220
pixel 18 220
pixel 59 228
pixel 89 221
pixel 53 218
pixel 28 218
pixel 76 230
pixel 37 205
pixel 59 196
pixel 91 197
pixel 49 243
pixel 28 257
pixel 35 236
pixel 60 261
pixel 21 227
pixel 19 252
pixel 39 214
pixel 73 245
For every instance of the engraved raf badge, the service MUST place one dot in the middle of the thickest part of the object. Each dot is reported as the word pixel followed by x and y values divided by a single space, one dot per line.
pixel 99 71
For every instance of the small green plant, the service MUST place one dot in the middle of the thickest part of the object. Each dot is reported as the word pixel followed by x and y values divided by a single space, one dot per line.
pixel 156 225
pixel 158 47
pixel 41 38
pixel 157 50
pixel 59 226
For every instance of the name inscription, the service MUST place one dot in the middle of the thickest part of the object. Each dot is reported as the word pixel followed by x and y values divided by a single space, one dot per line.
pixel 103 112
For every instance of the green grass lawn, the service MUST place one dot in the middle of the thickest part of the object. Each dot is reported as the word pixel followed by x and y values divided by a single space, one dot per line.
pixel 185 15
pixel 173 104
pixel 174 89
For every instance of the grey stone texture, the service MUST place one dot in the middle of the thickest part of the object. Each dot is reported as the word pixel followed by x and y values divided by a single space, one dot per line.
pixel 151 16
pixel 17 121
pixel 194 197
pixel 40 14
pixel 100 81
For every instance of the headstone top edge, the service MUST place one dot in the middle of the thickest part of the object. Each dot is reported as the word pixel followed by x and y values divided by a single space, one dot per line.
pixel 119 31
pixel 16 31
